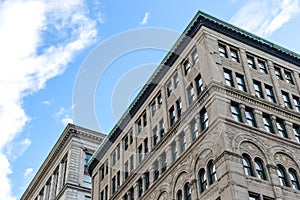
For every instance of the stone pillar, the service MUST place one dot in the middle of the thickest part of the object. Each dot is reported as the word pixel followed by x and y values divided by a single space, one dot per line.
pixel 289 130
pixel 159 160
pixel 273 176
pixel 273 119
pixel 187 131
pixel 297 80
pixel 197 118
pixel 61 175
pixel 52 187
pixel 40 197
pixel 248 78
pixel 259 120
pixel 276 87
pixel 242 110
pixel 194 190
pixel 178 146
pixel 151 174
pixel 46 192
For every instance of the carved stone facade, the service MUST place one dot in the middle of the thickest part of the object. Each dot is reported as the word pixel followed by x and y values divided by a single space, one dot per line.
pixel 63 175
pixel 222 123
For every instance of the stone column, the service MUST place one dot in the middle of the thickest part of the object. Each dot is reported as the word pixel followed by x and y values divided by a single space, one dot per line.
pixel 178 146
pixel 52 187
pixel 289 130
pixel 259 121
pixel 169 155
pixel 61 175
pixel 40 197
pixel 187 131
pixel 273 119
pixel 297 80
pixel 151 174
pixel 46 192
pixel 273 176
pixel 242 110
pixel 194 190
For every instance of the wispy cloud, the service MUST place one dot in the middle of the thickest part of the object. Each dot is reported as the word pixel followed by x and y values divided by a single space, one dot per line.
pixel 27 172
pixel 65 115
pixel 28 60
pixel 145 19
pixel 270 16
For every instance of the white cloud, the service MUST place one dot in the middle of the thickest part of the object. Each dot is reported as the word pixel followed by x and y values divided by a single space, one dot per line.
pixel 270 16
pixel 66 120
pixel 145 19
pixel 28 172
pixel 64 114
pixel 28 61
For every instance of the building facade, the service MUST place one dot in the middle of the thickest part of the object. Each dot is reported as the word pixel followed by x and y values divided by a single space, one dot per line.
pixel 219 119
pixel 64 175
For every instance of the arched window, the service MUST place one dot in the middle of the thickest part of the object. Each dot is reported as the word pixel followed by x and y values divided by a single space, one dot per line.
pixel 260 169
pixel 212 176
pixel 179 195
pixel 247 165
pixel 202 180
pixel 294 179
pixel 282 175
pixel 187 192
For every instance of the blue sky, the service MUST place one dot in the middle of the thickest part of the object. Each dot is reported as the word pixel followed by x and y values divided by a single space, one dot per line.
pixel 44 45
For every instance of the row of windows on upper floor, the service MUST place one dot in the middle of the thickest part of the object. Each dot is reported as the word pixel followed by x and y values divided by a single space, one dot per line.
pixel 255 62
pixel 177 147
pixel 256 168
pixel 263 91
pixel 271 124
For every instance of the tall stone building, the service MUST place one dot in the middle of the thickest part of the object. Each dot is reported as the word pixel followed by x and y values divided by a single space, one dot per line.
pixel 64 175
pixel 219 119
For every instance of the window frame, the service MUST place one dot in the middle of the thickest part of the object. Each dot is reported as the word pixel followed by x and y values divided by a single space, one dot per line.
pixel 228 77
pixel 240 82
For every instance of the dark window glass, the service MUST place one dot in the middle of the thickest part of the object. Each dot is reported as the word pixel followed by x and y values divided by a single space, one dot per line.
pixel 186 67
pixel 179 195
pixel 234 55
pixel 163 162
pixel 140 154
pixel 281 128
pixel 240 82
pixel 172 116
pixel 286 99
pixel 147 180
pixel 251 62
pixel 294 179
pixel 278 73
pixel 176 80
pixel 155 136
pixel 289 77
pixel 250 118
pixel 140 187
pixel 282 175
pixel 179 107
pixel 199 84
pixel 270 94
pixel 262 66
pixel 228 78
pixel 247 165
pixel 222 51
pixel 156 171
pixel 202 180
pixel 190 94
pixel 268 123
pixel 131 192
pixel 195 56
pixel 162 127
pixel 236 113
pixel 259 169
pixel 139 126
pixel 296 130
pixel 126 173
pixel 146 145
pixel 159 100
pixel 126 143
pixel 203 119
pixel 187 192
pixel 258 89
pixel 212 176
pixel 297 103
pixel 169 89
pixel 153 108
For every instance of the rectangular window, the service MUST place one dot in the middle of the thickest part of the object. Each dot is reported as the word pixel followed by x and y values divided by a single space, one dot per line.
pixel 140 187
pixel 199 84
pixel 222 51
pixel 156 171
pixel 281 128
pixel 179 107
pixel 102 172
pixel 172 116
pixel 182 141
pixel 268 123
pixel 194 129
pixel 297 103
pixel 241 82
pixel 139 126
pixel 296 130
pixel 102 195
pixel 234 55
pixel 289 77
pixel 190 94
pixel 163 162
pixel 176 80
pixel 174 151
pixel 159 100
pixel 131 163
pixel 161 128
pixel 113 158
pixel 169 89
pixel 146 146
pixel 228 77
pixel 113 184
pixel 195 56
pixel 153 108
pixel 126 170
pixel 118 152
pixel 258 89
pixel 203 119
pixel 131 192
pixel 147 180
pixel 286 99
pixel 251 62
pixel 118 178
pixel 145 119
pixel 186 67
pixel 270 94
pixel 155 136
pixel 140 153
pixel 126 143
pixel 106 192
pixel 236 113
pixel 262 66
pixel 278 73
pixel 250 118
pixel 87 181
pixel 106 167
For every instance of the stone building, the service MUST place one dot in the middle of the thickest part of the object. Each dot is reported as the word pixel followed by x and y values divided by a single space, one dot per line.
pixel 64 175
pixel 219 119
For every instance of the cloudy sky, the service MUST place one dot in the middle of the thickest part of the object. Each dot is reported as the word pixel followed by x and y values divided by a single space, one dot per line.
pixel 43 45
